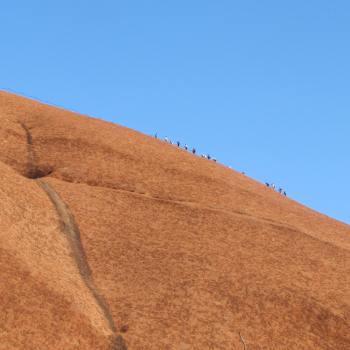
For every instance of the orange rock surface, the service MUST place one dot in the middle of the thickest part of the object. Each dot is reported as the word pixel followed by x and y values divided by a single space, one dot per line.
pixel 111 239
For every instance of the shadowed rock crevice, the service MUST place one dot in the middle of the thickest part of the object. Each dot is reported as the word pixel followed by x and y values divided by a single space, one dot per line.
pixel 70 229
pixel 34 171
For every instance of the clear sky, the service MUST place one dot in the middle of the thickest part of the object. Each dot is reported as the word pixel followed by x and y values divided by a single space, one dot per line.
pixel 263 86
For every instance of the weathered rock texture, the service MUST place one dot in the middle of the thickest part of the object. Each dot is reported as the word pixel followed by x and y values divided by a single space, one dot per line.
pixel 111 239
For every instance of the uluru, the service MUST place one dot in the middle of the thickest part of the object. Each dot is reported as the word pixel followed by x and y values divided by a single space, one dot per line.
pixel 113 239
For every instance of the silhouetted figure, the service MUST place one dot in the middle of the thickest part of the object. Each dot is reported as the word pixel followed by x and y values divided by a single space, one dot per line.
pixel 186 147
pixel 214 159
pixel 156 136
pixel 208 156
pixel 166 138
pixel 178 143
pixel 193 151
pixel 280 190
pixel 171 142
pixel 285 193
pixel 268 185
pixel 243 172
pixel 273 186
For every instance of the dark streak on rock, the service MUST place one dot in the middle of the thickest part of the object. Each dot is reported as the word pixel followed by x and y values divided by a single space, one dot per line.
pixel 69 227
pixel 32 168
pixel 34 171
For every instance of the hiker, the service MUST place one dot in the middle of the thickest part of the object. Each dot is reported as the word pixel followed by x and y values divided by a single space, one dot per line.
pixel 280 190
pixel 243 172
pixel 202 155
pixel 156 136
pixel 186 147
pixel 285 193
pixel 273 186
pixel 171 142
pixel 166 138
pixel 214 159
pixel 178 143
pixel 268 185
pixel 193 151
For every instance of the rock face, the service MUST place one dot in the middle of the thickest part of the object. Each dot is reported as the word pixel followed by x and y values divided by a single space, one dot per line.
pixel 111 239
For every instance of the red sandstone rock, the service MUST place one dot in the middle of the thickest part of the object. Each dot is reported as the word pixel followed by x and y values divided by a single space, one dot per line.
pixel 107 231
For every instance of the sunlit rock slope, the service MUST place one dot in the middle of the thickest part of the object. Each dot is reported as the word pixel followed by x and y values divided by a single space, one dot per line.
pixel 111 239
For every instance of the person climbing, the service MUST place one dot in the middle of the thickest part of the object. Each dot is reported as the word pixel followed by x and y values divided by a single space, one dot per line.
pixel 186 147
pixel 273 186
pixel 202 155
pixel 193 151
pixel 171 142
pixel 214 159
pixel 166 138
pixel 156 136
pixel 285 193
pixel 208 156
pixel 280 190
pixel 178 143
pixel 268 185
pixel 243 172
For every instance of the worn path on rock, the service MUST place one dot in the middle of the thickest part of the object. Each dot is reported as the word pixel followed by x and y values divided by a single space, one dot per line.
pixel 70 229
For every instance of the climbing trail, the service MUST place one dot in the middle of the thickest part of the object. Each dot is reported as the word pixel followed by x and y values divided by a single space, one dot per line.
pixel 70 229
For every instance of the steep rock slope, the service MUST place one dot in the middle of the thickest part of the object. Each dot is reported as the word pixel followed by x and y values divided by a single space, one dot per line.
pixel 182 251
pixel 45 301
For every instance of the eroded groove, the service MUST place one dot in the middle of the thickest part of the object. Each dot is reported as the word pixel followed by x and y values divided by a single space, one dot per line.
pixel 34 171
pixel 70 229
pixel 32 168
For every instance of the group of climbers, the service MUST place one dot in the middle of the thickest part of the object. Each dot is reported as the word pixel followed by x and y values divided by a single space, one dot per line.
pixel 214 159
pixel 208 157
pixel 273 187
pixel 185 147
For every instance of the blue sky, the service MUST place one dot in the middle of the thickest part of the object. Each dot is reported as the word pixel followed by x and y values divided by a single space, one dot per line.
pixel 263 86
